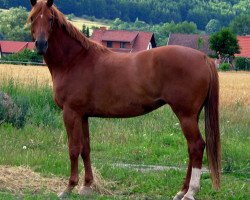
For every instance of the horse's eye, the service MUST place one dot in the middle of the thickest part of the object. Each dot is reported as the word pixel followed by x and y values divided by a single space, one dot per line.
pixel 50 19
pixel 31 19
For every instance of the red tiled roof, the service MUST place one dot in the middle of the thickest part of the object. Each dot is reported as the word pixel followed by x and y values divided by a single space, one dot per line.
pixel 142 41
pixel 244 43
pixel 190 40
pixel 14 47
pixel 119 36
pixel 139 40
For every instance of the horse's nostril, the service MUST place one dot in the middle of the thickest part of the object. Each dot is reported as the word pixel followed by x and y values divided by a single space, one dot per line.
pixel 36 43
pixel 46 43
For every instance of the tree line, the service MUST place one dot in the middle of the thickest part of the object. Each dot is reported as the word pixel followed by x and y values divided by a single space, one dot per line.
pixel 153 12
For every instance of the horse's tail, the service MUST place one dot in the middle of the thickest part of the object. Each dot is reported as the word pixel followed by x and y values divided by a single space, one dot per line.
pixel 213 146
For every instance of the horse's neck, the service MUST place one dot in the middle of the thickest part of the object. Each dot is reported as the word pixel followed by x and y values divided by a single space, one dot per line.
pixel 62 50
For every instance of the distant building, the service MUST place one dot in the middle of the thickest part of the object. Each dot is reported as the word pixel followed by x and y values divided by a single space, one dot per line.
pixel 124 41
pixel 10 47
pixel 244 43
pixel 195 41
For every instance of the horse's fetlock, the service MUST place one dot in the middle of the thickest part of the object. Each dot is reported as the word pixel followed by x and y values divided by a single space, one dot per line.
pixel 73 182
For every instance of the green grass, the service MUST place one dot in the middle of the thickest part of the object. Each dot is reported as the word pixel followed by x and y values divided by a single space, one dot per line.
pixel 154 139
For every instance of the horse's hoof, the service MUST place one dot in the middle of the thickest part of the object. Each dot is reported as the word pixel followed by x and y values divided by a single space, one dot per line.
pixel 85 191
pixel 63 195
pixel 188 198
pixel 179 196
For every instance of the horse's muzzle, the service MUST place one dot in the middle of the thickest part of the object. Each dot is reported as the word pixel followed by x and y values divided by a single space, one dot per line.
pixel 41 46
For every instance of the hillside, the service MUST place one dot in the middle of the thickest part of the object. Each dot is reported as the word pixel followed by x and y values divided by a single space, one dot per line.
pixel 79 22
pixel 151 11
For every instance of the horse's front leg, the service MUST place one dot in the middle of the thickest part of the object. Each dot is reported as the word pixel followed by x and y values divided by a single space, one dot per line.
pixel 73 124
pixel 85 153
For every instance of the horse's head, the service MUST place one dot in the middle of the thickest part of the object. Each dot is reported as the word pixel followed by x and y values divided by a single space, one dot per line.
pixel 41 19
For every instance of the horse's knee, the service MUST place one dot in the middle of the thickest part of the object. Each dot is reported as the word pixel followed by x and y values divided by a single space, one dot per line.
pixel 85 153
pixel 74 153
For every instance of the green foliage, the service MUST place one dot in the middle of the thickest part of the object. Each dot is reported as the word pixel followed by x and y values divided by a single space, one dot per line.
pixel 24 56
pixel 70 17
pixel 241 25
pixel 13 24
pixel 242 63
pixel 161 31
pixel 224 66
pixel 151 11
pixel 85 30
pixel 213 26
pixel 224 43
pixel 36 102
pixel 200 43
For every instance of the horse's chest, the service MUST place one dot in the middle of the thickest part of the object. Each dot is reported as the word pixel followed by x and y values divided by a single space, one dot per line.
pixel 59 94
pixel 58 98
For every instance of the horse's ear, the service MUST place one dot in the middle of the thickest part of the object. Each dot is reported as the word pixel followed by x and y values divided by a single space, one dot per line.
pixel 50 3
pixel 33 2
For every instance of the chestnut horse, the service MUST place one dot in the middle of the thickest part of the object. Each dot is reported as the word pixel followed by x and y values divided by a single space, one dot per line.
pixel 89 80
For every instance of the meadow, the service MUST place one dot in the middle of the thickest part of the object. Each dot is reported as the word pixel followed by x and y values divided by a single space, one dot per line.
pixel 79 22
pixel 138 158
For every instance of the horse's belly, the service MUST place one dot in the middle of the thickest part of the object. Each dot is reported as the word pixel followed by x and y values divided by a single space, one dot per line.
pixel 130 110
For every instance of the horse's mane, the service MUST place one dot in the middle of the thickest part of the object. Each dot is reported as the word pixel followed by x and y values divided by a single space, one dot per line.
pixel 64 23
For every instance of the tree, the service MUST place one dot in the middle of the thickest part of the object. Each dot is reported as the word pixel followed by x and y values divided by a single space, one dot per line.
pixel 1 36
pixel 70 17
pixel 213 26
pixel 85 30
pixel 224 43
pixel 13 24
pixel 241 25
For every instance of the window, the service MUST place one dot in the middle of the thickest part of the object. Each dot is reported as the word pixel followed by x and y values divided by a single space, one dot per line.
pixel 109 44
pixel 122 45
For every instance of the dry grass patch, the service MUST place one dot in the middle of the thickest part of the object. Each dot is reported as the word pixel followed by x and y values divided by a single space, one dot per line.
pixel 21 179
pixel 78 22
pixel 234 88
pixel 25 74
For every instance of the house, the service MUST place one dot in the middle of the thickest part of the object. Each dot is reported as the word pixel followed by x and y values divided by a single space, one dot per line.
pixel 195 41
pixel 244 43
pixel 10 47
pixel 124 41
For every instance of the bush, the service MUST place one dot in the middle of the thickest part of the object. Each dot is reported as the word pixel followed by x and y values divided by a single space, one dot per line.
pixel 242 63
pixel 71 16
pixel 24 56
pixel 13 112
pixel 224 67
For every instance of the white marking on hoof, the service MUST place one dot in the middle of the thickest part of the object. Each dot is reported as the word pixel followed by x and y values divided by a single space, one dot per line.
pixel 85 191
pixel 194 184
pixel 186 198
pixel 179 195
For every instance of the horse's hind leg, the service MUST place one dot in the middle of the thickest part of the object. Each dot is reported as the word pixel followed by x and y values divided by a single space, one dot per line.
pixel 88 180
pixel 196 147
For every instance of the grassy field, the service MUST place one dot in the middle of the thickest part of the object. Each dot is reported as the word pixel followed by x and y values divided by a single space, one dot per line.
pixel 40 148
pixel 78 22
